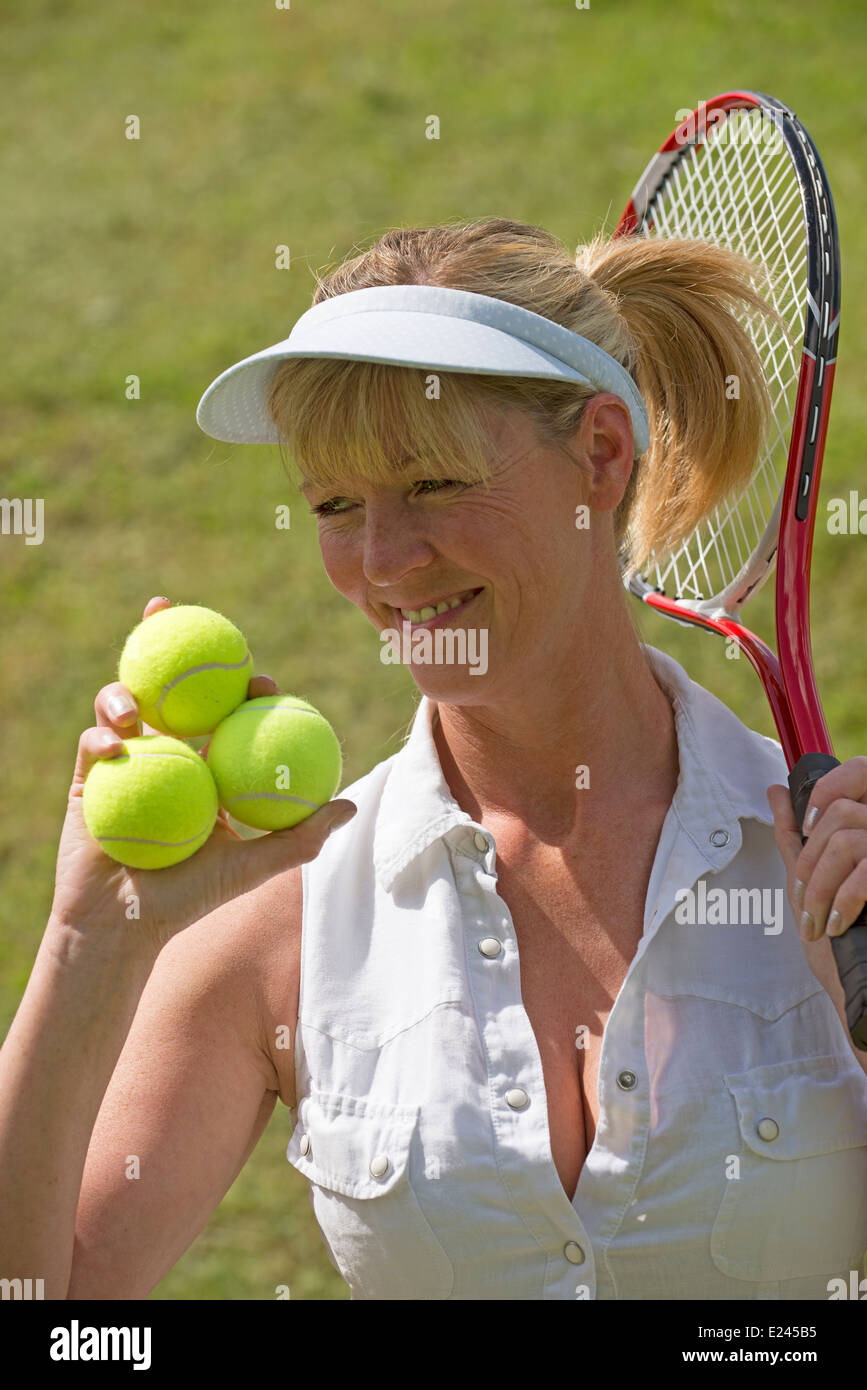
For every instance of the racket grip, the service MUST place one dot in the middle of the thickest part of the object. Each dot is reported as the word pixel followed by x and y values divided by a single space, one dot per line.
pixel 850 949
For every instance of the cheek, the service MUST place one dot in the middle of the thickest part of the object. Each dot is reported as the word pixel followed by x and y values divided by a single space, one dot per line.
pixel 341 559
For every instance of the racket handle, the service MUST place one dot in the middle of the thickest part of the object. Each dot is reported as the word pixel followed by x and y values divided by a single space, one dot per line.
pixel 850 949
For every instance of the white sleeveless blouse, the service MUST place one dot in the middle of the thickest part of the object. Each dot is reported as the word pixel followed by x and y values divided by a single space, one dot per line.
pixel 730 1158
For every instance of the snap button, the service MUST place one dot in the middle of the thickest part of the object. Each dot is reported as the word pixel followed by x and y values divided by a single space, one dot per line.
pixel 490 947
pixel 720 838
pixel 378 1165
pixel 305 1143
pixel 517 1098
pixel 626 1080
pixel 480 840
pixel 573 1252
pixel 768 1129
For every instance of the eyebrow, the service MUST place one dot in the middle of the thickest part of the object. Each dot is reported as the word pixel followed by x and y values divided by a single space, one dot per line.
pixel 305 487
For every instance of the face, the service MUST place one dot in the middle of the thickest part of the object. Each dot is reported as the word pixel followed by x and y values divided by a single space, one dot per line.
pixel 511 553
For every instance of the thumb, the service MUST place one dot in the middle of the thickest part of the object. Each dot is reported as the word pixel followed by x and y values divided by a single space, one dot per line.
pixel 312 832
pixel 786 832
pixel 263 856
pixel 336 813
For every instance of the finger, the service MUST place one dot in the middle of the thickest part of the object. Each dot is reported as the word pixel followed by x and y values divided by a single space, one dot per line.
pixel 849 902
pixel 786 831
pixel 847 780
pixel 115 708
pixel 843 854
pixel 813 896
pixel 155 605
pixel 262 685
pixel 842 814
pixel 94 744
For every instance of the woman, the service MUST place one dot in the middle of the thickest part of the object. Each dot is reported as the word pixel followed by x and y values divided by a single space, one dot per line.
pixel 520 1070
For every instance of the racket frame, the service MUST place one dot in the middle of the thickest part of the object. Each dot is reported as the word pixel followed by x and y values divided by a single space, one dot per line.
pixel 787 675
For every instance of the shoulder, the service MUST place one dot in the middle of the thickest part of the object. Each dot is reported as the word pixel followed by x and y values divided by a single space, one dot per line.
pixel 225 973
pixel 735 763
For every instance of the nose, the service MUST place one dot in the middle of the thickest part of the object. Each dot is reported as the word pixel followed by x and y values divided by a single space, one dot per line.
pixel 396 540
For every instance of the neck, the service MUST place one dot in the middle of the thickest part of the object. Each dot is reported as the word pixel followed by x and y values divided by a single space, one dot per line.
pixel 514 761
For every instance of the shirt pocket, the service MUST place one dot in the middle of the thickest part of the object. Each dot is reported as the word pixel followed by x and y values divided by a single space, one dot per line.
pixel 799 1206
pixel 356 1155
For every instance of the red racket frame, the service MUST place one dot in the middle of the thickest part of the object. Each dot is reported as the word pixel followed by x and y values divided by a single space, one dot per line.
pixel 788 675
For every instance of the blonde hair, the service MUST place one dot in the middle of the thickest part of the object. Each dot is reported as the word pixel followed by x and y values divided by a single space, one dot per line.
pixel 663 308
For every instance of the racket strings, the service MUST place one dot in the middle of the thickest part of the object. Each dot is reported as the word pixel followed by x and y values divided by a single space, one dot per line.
pixel 739 189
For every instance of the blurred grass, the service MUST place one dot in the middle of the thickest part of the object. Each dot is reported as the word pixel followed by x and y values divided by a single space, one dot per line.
pixel 262 127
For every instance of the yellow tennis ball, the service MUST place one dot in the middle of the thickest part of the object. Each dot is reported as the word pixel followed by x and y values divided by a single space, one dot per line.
pixel 152 805
pixel 275 761
pixel 188 667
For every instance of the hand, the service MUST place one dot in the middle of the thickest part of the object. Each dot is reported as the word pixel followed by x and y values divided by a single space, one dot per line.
pixel 828 874
pixel 93 892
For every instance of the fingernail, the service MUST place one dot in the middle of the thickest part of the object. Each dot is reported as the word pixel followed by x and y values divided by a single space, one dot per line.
pixel 835 924
pixel 798 891
pixel 808 926
pixel 118 706
pixel 810 819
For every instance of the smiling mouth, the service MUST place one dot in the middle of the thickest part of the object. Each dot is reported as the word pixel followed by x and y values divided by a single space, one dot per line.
pixel 422 615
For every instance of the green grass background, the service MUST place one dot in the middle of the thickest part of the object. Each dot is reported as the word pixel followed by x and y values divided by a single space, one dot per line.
pixel 305 127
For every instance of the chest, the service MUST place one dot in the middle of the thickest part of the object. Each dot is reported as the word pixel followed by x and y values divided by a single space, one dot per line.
pixel 576 941
pixel 578 919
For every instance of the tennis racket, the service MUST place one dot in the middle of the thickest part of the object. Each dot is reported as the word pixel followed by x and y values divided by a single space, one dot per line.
pixel 741 171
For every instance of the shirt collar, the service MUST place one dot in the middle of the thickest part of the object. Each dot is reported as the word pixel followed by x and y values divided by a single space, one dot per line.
pixel 724 771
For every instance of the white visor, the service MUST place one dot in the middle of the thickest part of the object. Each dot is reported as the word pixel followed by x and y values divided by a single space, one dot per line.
pixel 417 326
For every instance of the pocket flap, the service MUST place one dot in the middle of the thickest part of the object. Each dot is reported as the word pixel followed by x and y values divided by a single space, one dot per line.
pixel 797 1109
pixel 353 1146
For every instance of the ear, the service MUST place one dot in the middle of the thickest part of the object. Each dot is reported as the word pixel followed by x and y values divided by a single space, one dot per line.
pixel 605 444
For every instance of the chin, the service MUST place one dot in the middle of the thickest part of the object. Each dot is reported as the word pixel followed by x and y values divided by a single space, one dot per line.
pixel 448 664
pixel 451 686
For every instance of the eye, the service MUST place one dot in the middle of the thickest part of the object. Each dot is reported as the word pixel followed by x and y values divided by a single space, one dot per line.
pixel 330 508
pixel 439 483
pixel 326 508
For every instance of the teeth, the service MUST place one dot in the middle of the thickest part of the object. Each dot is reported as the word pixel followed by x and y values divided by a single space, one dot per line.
pixel 421 615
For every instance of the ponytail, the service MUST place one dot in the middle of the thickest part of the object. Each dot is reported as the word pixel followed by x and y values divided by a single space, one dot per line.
pixel 699 374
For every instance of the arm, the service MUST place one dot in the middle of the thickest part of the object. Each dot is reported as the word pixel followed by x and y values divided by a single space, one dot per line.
pixel 116 1049
pixel 190 1097
pixel 55 1064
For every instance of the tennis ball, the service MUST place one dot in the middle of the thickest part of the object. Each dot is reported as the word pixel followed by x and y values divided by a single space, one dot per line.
pixel 188 667
pixel 152 805
pixel 275 761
